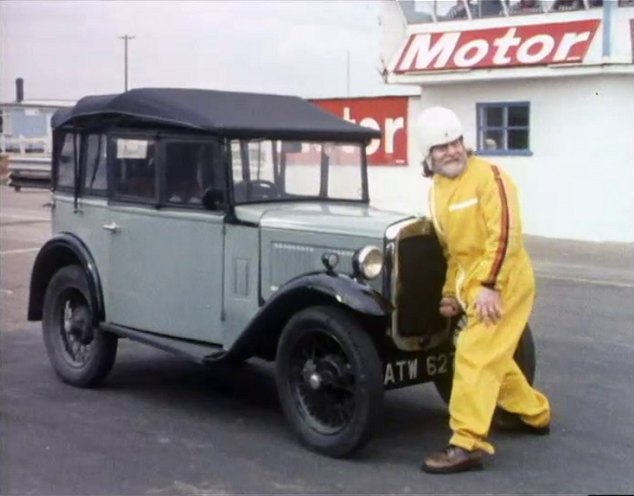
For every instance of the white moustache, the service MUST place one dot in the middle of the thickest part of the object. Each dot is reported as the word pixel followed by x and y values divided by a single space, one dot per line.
pixel 451 169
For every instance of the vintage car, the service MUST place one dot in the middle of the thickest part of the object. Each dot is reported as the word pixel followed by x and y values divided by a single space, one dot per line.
pixel 224 226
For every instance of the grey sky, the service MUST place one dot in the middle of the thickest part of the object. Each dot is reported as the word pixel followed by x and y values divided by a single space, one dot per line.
pixel 66 49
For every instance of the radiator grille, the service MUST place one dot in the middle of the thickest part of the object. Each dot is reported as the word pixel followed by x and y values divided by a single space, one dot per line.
pixel 421 272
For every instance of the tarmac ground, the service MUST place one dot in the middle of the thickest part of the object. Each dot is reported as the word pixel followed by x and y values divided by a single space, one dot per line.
pixel 162 425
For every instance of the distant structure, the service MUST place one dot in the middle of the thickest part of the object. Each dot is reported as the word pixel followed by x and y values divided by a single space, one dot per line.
pixel 25 125
pixel 544 88
pixel 25 138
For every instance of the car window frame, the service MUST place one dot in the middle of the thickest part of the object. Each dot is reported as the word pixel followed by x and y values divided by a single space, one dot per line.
pixel 83 164
pixel 166 138
pixel 246 172
pixel 59 142
pixel 121 199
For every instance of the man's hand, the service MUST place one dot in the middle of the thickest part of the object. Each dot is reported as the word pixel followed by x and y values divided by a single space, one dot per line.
pixel 488 304
pixel 449 306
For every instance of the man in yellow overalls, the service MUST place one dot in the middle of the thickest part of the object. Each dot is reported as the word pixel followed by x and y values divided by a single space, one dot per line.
pixel 475 210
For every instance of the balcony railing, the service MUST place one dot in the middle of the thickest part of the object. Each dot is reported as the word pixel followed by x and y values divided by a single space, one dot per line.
pixel 424 11
pixel 20 145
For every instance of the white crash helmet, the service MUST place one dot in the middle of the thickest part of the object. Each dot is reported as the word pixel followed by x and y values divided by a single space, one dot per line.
pixel 437 126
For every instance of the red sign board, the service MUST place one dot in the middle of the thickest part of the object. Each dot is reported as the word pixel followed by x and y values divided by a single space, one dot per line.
pixel 387 114
pixel 537 44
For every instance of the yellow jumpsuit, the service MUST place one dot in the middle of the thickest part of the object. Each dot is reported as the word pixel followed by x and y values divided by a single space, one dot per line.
pixel 477 218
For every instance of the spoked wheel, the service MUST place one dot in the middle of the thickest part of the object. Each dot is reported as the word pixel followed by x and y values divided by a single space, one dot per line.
pixel 322 382
pixel 329 380
pixel 80 354
pixel 75 329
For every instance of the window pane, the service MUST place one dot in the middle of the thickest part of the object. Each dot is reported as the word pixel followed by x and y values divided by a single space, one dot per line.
pixel 134 168
pixel 518 115
pixel 417 11
pixel 190 168
pixel 493 116
pixel 236 162
pixel 66 163
pixel 256 180
pixel 518 139
pixel 303 171
pixel 96 171
pixel 344 178
pixel 493 139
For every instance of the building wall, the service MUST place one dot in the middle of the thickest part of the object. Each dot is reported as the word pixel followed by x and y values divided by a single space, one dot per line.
pixel 578 182
pixel 29 122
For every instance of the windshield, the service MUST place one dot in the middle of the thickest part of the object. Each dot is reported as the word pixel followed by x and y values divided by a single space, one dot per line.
pixel 274 170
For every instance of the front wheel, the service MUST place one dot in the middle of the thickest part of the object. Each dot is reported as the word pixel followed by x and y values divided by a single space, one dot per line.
pixel 80 354
pixel 524 357
pixel 329 380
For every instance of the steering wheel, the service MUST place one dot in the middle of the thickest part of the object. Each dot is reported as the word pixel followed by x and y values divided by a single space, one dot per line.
pixel 264 189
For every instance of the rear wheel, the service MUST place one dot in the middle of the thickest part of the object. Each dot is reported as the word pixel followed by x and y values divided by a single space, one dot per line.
pixel 329 380
pixel 80 354
pixel 524 357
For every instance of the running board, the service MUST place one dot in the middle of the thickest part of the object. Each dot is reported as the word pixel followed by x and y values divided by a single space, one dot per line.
pixel 199 352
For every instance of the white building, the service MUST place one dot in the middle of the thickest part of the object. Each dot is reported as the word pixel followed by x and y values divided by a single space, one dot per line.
pixel 547 94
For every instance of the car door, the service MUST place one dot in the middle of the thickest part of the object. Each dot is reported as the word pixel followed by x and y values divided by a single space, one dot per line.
pixel 166 250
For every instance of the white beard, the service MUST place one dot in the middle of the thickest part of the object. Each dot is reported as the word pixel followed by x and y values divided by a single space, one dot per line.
pixel 451 169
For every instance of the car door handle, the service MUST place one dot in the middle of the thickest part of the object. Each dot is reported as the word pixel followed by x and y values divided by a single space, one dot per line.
pixel 112 227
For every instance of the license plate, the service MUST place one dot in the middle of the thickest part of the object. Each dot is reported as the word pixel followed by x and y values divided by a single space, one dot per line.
pixel 416 368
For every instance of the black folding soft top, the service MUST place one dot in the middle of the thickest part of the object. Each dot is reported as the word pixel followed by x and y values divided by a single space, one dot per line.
pixel 240 115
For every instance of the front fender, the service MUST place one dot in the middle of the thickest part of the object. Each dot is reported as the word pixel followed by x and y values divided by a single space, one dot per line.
pixel 344 289
pixel 308 290
pixel 63 249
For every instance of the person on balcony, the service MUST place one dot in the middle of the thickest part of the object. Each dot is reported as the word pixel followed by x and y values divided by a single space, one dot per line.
pixel 568 5
pixel 458 10
pixel 476 215
pixel 525 7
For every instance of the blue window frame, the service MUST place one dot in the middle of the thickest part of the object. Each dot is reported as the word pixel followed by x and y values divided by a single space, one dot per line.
pixel 503 128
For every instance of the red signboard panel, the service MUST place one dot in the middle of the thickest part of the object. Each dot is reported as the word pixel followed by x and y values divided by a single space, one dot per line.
pixel 537 44
pixel 387 114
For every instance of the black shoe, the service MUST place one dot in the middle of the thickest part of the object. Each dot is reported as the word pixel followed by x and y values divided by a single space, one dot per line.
pixel 511 422
pixel 453 459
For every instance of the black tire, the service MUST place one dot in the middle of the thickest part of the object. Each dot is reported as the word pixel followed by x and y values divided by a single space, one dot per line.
pixel 80 354
pixel 329 380
pixel 524 357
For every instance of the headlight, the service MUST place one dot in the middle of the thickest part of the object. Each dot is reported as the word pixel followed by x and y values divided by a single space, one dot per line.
pixel 368 262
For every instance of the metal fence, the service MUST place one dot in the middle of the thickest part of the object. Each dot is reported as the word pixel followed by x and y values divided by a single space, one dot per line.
pixel 25 162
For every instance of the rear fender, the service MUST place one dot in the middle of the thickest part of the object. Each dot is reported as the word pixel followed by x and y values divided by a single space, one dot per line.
pixel 61 250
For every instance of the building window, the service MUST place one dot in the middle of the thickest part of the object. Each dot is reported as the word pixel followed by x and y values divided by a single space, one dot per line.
pixel 5 123
pixel 503 128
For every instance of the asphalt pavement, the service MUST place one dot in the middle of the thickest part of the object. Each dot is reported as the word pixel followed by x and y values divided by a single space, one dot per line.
pixel 164 426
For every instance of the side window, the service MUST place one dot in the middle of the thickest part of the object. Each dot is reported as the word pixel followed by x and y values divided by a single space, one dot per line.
pixel 66 163
pixel 95 180
pixel 190 168
pixel 5 123
pixel 134 168
pixel 503 128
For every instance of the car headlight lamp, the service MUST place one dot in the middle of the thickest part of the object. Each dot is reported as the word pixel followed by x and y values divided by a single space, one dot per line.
pixel 368 262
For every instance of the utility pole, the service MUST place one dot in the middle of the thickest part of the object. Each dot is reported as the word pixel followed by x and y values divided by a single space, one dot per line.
pixel 125 39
